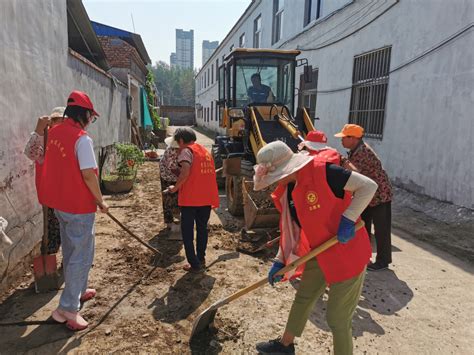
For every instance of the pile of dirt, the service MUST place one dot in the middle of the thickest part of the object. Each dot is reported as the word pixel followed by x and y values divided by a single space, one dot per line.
pixel 262 198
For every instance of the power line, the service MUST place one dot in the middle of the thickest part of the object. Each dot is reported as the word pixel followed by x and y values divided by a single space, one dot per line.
pixel 351 33
pixel 411 61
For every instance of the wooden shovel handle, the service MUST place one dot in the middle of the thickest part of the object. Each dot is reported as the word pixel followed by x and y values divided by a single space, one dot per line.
pixel 45 239
pixel 323 247
pixel 156 251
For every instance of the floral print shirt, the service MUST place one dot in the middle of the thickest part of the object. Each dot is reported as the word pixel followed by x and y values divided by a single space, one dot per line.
pixel 34 148
pixel 368 163
pixel 169 170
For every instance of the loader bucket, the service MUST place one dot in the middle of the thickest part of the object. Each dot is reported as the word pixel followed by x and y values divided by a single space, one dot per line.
pixel 259 211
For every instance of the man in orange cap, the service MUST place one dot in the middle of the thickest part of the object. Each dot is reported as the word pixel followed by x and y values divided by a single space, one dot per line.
pixel 379 211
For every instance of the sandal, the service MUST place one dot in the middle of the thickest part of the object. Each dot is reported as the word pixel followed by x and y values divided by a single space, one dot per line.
pixel 88 295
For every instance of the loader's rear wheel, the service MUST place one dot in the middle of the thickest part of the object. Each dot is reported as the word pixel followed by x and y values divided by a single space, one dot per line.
pixel 233 191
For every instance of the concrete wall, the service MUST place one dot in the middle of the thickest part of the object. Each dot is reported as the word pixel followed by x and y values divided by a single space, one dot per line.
pixel 38 73
pixel 426 146
pixel 178 115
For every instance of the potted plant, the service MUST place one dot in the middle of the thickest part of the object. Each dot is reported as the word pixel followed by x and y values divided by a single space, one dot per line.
pixel 129 158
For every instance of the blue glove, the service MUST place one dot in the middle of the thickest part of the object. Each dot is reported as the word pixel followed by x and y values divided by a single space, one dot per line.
pixel 346 230
pixel 277 266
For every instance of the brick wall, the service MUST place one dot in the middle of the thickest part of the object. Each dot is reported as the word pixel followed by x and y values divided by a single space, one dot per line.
pixel 120 54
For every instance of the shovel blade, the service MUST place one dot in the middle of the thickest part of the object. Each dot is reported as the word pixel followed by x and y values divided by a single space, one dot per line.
pixel 203 321
pixel 46 273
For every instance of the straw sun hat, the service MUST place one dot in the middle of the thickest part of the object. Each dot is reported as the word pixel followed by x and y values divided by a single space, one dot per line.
pixel 170 142
pixel 276 161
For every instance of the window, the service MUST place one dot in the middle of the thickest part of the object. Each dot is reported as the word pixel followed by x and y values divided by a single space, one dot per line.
pixel 312 10
pixel 212 74
pixel 369 91
pixel 277 20
pixel 212 110
pixel 205 78
pixel 257 32
pixel 242 40
pixel 275 74
pixel 208 76
pixel 217 68
pixel 307 93
pixel 221 84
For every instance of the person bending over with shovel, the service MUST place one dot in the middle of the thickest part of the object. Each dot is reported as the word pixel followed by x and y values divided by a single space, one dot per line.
pixel 69 184
pixel 317 200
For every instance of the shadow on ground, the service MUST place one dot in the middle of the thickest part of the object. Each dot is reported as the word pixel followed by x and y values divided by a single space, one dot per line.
pixel 383 293
pixel 183 298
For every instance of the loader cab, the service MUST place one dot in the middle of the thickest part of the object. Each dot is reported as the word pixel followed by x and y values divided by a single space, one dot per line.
pixel 258 77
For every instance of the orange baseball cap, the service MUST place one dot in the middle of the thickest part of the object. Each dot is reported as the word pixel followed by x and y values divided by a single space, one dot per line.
pixel 351 130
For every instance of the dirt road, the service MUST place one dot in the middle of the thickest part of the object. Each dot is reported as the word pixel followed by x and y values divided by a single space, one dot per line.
pixel 423 305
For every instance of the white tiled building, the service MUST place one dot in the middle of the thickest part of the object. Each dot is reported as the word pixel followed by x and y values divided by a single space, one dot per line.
pixel 404 69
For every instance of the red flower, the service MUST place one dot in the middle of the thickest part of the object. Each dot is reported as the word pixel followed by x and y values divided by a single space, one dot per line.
pixel 130 163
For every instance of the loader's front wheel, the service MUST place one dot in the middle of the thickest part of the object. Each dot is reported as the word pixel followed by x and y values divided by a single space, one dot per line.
pixel 233 191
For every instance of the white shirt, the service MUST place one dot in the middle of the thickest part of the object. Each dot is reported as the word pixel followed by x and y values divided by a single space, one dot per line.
pixel 85 153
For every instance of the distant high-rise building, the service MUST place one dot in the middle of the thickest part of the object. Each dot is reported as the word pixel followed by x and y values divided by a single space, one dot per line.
pixel 208 48
pixel 185 49
pixel 172 59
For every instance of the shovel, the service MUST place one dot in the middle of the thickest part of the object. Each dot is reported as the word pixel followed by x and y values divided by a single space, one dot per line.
pixel 156 251
pixel 206 318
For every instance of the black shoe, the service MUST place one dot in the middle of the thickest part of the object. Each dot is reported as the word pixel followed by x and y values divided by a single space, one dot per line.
pixel 377 266
pixel 274 347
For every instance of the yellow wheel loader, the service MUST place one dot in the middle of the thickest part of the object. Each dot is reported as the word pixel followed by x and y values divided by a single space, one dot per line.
pixel 256 105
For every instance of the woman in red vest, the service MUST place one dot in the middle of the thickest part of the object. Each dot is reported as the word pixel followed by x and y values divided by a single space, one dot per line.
pixel 69 184
pixel 197 195
pixel 317 200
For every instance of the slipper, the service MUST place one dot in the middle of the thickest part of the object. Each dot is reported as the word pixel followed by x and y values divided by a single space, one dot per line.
pixel 88 295
pixel 74 320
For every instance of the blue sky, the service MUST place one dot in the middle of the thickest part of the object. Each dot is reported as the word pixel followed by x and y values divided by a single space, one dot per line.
pixel 156 21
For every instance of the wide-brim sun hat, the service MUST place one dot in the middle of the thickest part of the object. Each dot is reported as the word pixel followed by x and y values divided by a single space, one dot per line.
pixel 170 142
pixel 276 161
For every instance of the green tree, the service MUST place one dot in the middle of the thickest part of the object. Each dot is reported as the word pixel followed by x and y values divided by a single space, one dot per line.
pixel 175 85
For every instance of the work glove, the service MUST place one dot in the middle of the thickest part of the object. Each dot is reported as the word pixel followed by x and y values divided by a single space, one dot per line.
pixel 277 266
pixel 346 230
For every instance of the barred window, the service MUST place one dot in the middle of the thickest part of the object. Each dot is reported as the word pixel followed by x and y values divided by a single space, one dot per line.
pixel 369 91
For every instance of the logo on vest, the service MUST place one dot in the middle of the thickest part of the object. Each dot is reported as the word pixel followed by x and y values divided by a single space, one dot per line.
pixel 312 200
pixel 207 167
pixel 58 145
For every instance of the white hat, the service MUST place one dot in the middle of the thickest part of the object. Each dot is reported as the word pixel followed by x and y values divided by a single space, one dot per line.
pixel 315 140
pixel 170 142
pixel 57 112
pixel 276 161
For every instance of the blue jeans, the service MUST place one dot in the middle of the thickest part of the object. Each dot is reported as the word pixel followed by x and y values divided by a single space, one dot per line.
pixel 201 215
pixel 77 243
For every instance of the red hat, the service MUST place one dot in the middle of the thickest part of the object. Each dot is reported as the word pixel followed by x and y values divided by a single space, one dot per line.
pixel 79 98
pixel 315 140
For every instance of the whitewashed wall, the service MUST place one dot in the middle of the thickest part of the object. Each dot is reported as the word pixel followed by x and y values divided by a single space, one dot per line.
pixel 37 74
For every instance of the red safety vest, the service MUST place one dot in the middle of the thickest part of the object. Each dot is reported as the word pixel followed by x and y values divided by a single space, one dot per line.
pixel 200 188
pixel 319 213
pixel 61 184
